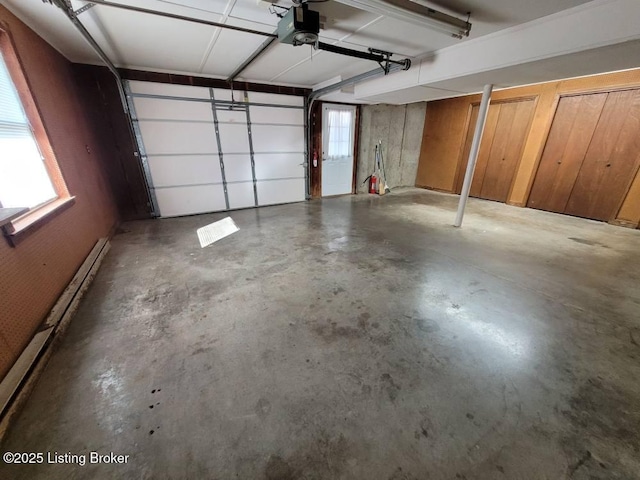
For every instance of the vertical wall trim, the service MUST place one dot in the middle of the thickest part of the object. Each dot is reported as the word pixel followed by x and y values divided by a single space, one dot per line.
pixel 253 160
pixel 220 154
pixel 307 149
pixel 356 151
pixel 141 153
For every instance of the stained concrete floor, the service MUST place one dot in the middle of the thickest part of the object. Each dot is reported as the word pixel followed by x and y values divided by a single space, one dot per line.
pixel 352 338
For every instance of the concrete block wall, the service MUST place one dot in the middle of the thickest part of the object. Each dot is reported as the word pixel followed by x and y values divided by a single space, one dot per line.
pixel 37 270
pixel 400 127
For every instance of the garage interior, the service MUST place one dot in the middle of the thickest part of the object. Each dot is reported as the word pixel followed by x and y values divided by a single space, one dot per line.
pixel 336 332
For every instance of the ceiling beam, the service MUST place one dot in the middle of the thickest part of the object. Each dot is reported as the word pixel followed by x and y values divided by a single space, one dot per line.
pixel 196 81
pixel 591 38
pixel 253 57
pixel 378 72
pixel 413 11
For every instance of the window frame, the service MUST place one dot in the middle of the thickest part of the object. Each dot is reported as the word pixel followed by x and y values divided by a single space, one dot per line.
pixel 38 215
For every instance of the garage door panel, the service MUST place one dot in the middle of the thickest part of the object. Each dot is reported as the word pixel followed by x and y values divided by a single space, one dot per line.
pixel 154 108
pixel 280 191
pixel 176 201
pixel 234 138
pixel 241 195
pixel 237 168
pixel 232 116
pixel 274 98
pixel 181 145
pixel 282 116
pixel 226 95
pixel 167 89
pixel 276 139
pixel 178 137
pixel 184 169
pixel 279 165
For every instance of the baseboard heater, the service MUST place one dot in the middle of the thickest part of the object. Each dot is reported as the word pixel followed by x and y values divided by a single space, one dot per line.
pixel 21 378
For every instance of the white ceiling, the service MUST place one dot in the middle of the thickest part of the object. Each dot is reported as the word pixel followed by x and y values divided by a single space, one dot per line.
pixel 596 37
pixel 150 42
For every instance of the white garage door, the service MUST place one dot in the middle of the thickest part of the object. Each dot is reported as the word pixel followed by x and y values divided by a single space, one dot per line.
pixel 201 152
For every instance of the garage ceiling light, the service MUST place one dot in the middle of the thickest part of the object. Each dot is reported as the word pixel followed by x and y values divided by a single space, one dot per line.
pixel 414 12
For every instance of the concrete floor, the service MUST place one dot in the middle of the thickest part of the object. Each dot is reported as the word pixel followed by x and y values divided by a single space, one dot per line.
pixel 352 338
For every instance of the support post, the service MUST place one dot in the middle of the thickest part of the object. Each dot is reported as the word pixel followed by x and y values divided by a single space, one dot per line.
pixel 252 58
pixel 473 154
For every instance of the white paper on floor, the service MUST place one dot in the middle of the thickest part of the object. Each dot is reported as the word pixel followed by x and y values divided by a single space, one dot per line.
pixel 216 231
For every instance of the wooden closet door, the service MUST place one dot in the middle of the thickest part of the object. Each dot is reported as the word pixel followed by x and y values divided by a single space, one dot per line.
pixel 611 161
pixel 573 127
pixel 506 149
pixel 501 148
pixel 483 152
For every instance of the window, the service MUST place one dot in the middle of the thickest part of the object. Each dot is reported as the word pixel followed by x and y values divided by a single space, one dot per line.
pixel 340 125
pixel 30 177
pixel 24 179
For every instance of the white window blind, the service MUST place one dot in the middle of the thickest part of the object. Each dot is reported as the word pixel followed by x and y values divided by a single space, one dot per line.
pixel 24 180
pixel 340 123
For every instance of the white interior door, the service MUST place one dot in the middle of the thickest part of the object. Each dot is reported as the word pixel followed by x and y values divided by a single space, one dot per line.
pixel 338 145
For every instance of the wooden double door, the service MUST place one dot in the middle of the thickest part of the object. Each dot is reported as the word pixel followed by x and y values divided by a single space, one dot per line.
pixel 505 133
pixel 591 156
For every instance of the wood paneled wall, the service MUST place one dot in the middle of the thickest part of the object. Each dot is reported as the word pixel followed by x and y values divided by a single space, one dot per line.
pixel 447 122
pixel 98 89
pixel 38 269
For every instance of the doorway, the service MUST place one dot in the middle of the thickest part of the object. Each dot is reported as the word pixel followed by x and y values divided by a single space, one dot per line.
pixel 338 149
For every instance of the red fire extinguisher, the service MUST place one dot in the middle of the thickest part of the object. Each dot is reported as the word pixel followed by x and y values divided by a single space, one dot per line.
pixel 315 159
pixel 373 184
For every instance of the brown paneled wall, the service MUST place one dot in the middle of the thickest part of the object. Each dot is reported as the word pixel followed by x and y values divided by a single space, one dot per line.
pixel 37 270
pixel 98 88
pixel 448 121
pixel 315 173
pixel 175 79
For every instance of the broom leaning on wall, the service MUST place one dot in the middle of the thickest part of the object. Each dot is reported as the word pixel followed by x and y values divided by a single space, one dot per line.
pixel 377 180
pixel 381 174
